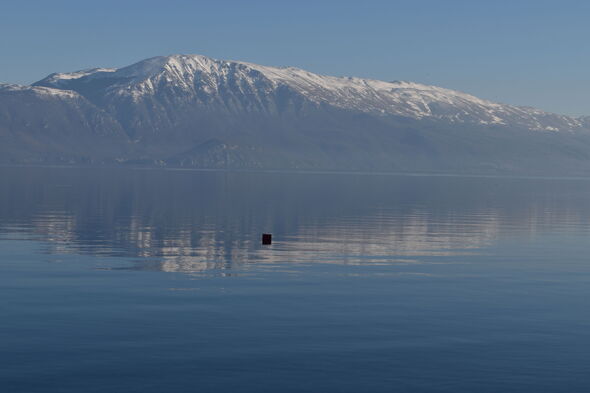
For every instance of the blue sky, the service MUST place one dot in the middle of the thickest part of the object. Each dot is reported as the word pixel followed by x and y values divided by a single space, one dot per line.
pixel 533 53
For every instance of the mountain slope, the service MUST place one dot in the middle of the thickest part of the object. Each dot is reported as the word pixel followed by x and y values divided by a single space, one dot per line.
pixel 245 87
pixel 190 110
pixel 45 125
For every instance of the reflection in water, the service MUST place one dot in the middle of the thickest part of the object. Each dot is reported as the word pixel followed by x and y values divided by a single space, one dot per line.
pixel 193 221
pixel 372 283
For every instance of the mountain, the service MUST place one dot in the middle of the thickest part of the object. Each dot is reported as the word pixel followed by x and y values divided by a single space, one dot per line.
pixel 194 111
pixel 42 125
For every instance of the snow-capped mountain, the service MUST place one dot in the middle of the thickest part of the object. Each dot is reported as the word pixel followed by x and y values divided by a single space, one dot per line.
pixel 191 110
pixel 239 86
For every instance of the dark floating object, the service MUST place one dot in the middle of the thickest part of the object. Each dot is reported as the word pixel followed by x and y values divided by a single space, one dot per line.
pixel 266 238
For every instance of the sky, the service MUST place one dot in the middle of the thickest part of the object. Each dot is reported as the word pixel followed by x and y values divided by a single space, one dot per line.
pixel 533 53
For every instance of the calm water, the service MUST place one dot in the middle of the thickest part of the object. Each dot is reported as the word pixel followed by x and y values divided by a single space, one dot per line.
pixel 155 281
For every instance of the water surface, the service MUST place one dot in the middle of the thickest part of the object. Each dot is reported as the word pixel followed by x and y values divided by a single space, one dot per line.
pixel 117 280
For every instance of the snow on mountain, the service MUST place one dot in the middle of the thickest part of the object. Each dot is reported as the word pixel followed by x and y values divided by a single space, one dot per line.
pixel 205 81
pixel 195 111
pixel 57 79
pixel 38 90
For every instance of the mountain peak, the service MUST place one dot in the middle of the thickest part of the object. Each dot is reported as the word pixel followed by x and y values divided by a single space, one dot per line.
pixel 172 63
pixel 192 110
pixel 201 79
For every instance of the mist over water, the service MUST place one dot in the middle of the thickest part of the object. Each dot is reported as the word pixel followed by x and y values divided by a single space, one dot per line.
pixel 373 282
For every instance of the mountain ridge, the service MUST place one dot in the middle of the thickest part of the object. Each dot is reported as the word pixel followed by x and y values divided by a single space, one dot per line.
pixel 398 98
pixel 195 111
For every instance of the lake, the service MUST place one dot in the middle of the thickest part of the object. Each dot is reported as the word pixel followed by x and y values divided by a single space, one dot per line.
pixel 131 280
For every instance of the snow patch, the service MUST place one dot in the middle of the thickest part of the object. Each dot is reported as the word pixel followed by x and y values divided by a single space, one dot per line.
pixel 39 90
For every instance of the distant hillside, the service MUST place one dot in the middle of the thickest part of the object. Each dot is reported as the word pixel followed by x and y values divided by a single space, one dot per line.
pixel 194 111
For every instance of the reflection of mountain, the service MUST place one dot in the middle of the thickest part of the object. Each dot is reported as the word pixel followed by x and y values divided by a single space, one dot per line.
pixel 194 221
